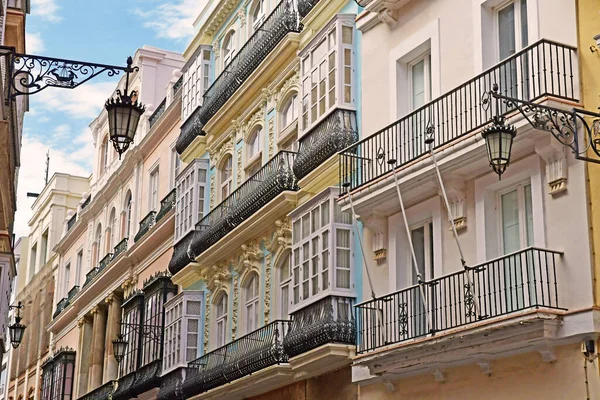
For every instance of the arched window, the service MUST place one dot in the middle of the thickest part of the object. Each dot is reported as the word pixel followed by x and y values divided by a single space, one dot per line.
pixel 289 111
pixel 257 14
pixel 254 142
pixel 225 180
pixel 104 154
pixel 221 321
pixel 229 48
pixel 98 244
pixel 251 292
pixel 127 222
pixel 284 279
pixel 111 234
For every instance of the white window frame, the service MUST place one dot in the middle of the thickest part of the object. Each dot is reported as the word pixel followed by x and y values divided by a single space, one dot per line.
pixel 426 58
pixel 178 319
pixel 190 191
pixel 429 267
pixel 255 23
pixel 112 223
pixel 78 266
pixel 228 182
pixel 128 212
pixel 251 303
pixel 334 54
pixel 284 282
pixel 221 320
pixel 230 37
pixel 153 185
pixel 301 261
pixel 520 188
pixel 254 150
pixel 104 154
pixel 196 80
pixel 518 25
pixel 67 278
pixel 175 167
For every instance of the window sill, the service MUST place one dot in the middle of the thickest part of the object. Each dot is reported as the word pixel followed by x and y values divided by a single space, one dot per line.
pixel 252 162
pixel 287 133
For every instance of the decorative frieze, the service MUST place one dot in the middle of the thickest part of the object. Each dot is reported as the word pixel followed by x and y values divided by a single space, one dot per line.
pixel 207 306
pixel 267 297
pixel 240 168
pixel 271 137
pixel 234 308
pixel 212 191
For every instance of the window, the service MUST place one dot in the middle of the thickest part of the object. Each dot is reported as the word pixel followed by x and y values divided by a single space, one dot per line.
pixel 97 245
pixel 422 241
pixel 257 14
pixel 512 32
pixel 254 151
pixel 79 266
pixel 196 79
pixel 321 250
pixel 153 186
pixel 182 330
pixel 189 203
pixel 225 178
pixel 32 261
pixel 67 281
pixel 104 155
pixel 420 81
pixel 328 72
pixel 516 218
pixel 44 249
pixel 284 280
pixel 57 376
pixel 289 112
pixel 251 294
pixel 221 321
pixel 175 167
pixel 229 48
pixel 111 239
pixel 128 210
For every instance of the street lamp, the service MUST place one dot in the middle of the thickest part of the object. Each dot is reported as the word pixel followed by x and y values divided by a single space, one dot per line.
pixel 498 140
pixel 119 347
pixel 17 329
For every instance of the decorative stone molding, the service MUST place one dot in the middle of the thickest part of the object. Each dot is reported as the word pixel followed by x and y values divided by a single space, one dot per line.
pixel 387 10
pixel 240 168
pixel 258 118
pixel 282 237
pixel 485 366
pixel 269 94
pixel 217 276
pixel 292 83
pixel 81 322
pixel 387 16
pixel 554 155
pixel 110 298
pixel 377 224
pixel 455 190
pixel 234 308
pixel 267 298
pixel 271 137
pixel 212 191
pixel 242 16
pixel 218 151
pixel 249 259
pixel 207 307
pixel 95 310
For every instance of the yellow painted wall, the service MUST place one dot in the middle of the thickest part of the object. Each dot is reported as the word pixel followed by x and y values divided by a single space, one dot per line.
pixel 589 65
pixel 521 377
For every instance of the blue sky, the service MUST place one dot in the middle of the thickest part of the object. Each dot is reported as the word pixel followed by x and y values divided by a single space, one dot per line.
pixel 96 31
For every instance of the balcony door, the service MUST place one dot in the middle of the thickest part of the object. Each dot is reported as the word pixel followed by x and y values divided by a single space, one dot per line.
pixel 422 240
pixel 512 31
pixel 420 94
pixel 516 211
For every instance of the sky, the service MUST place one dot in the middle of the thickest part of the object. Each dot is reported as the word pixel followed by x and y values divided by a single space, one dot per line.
pixel 105 32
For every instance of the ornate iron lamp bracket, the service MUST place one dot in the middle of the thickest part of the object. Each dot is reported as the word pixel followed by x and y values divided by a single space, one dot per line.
pixel 564 125
pixel 30 74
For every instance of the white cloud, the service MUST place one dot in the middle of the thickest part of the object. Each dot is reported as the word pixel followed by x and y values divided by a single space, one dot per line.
pixel 35 43
pixel 85 101
pixel 173 19
pixel 32 172
pixel 46 10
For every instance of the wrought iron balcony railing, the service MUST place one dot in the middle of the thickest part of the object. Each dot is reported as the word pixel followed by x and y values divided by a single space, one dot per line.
pixel 100 393
pixel 166 204
pixel 329 320
pixel 251 353
pixel 273 178
pixel 542 69
pixel 104 262
pixel 120 247
pixel 86 202
pixel 178 84
pixel 71 222
pixel 145 225
pixel 336 132
pixel 60 306
pixel 72 293
pixel 160 110
pixel 89 276
pixel 283 20
pixel 514 282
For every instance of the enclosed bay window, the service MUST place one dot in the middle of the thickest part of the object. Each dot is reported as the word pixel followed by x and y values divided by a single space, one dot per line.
pixel 196 79
pixel 189 203
pixel 220 330
pixel 322 257
pixel 251 296
pixel 131 326
pixel 57 376
pixel 327 71
pixel 182 329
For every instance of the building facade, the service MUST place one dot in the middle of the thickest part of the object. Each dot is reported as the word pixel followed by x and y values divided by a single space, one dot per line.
pixel 504 308
pixel 12 33
pixel 115 250
pixel 35 284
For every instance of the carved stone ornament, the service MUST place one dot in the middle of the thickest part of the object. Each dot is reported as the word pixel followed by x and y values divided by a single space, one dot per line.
pixel 377 224
pixel 555 157
pixel 267 298
pixel 240 168
pixel 234 311
pixel 455 190
pixel 217 276
pixel 207 308
pixel 271 137
pixel 212 191
pixel 282 237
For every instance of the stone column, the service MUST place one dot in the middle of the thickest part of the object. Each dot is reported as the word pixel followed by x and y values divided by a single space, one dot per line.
pixel 97 348
pixel 83 359
pixel 113 327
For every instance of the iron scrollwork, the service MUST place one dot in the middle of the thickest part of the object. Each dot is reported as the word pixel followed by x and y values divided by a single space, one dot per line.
pixel 562 124
pixel 30 74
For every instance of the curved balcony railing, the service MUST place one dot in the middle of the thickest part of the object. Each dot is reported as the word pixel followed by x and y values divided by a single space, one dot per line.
pixel 275 177
pixel 514 282
pixel 166 205
pixel 336 132
pixel 100 393
pixel 251 353
pixel 120 248
pixel 71 222
pixel 160 110
pixel 145 225
pixel 86 202
pixel 329 320
pixel 283 20
pixel 542 69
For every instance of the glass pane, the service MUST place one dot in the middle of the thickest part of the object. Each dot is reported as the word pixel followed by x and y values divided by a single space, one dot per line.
pixel 418 240
pixel 347 34
pixel 529 215
pixel 325 213
pixel 314 216
pixel 510 222
pixel 524 30
pixel 418 84
pixel 506 31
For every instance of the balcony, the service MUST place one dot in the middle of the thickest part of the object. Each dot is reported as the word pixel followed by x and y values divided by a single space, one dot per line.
pixel 104 262
pixel 100 393
pixel 506 285
pixel 336 132
pixel 283 20
pixel 244 356
pixel 144 379
pixel 542 69
pixel 72 293
pixel 89 276
pixel 272 179
pixel 86 202
pixel 71 222
pixel 60 306
pixel 120 248
pixel 160 110
pixel 329 320
pixel 166 205
pixel 177 85
pixel 145 225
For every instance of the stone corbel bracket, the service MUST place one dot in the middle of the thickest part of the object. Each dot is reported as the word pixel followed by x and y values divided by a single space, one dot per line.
pixel 377 224
pixel 455 190
pixel 387 10
pixel 555 157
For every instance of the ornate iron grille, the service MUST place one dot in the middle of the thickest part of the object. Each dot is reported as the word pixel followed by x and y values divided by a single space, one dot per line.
pixel 255 351
pixel 180 256
pixel 90 275
pixel 336 132
pixel 60 306
pixel 283 20
pixel 171 387
pixel 166 204
pixel 57 376
pixel 100 393
pixel 145 225
pixel 71 222
pixel 74 290
pixel 517 281
pixel 120 247
pixel 178 85
pixel 273 178
pixel 160 110
pixel 329 320
pixel 542 69
pixel 86 202
pixel 104 262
